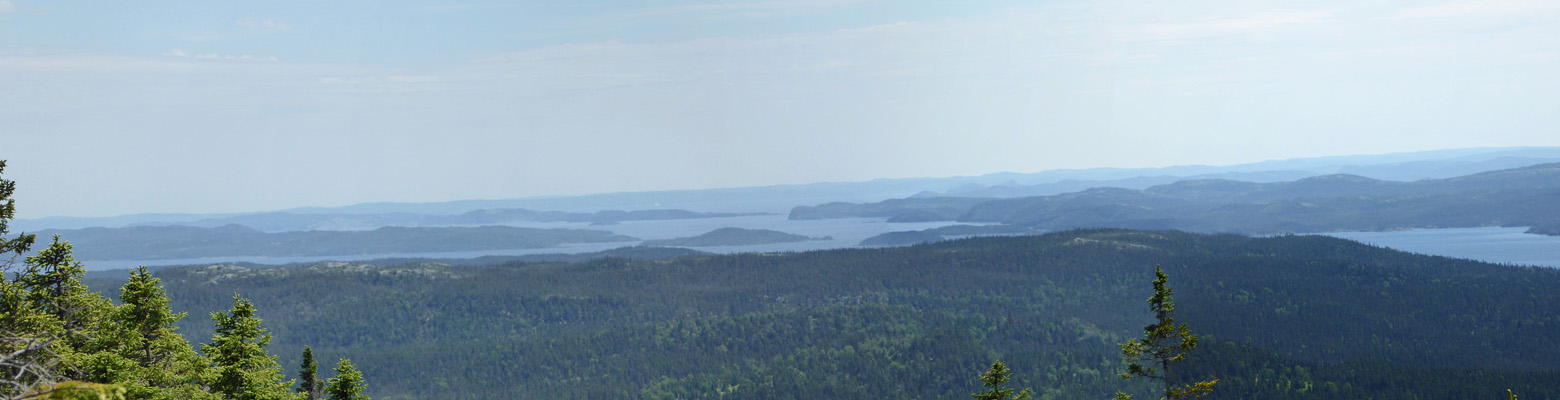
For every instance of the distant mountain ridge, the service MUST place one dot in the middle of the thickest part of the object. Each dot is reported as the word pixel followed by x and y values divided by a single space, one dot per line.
pixel 781 198
pixel 1527 196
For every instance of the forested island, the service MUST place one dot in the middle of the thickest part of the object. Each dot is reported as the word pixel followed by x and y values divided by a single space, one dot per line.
pixel 730 237
pixel 1545 229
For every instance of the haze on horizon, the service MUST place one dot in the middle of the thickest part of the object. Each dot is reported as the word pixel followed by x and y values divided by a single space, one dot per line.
pixel 186 106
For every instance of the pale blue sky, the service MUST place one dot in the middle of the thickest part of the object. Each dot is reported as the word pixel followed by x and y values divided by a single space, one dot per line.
pixel 223 106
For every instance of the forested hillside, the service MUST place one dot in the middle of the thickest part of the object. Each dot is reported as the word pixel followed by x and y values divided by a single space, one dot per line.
pixel 1283 317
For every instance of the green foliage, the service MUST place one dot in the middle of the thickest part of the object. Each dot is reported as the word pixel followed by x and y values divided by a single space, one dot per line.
pixel 993 380
pixel 9 247
pixel 1260 374
pixel 243 369
pixel 28 360
pixel 308 385
pixel 146 313
pixel 1162 344
pixel 140 348
pixel 47 302
pixel 348 383
pixel 52 280
pixel 60 340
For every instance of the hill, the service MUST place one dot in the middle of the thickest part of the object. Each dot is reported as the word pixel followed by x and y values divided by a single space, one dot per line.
pixel 901 238
pixel 730 237
pixel 1283 317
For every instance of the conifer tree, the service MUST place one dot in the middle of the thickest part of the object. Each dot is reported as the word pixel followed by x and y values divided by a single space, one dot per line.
pixel 1163 343
pixel 44 313
pixel 243 369
pixel 52 279
pixel 26 357
pixel 142 348
pixel 308 385
pixel 993 379
pixel 10 247
pixel 61 310
pixel 348 383
pixel 146 313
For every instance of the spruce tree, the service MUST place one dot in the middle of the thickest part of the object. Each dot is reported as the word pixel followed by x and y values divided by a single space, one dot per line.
pixel 146 313
pixel 1163 343
pixel 308 385
pixel 10 247
pixel 26 356
pixel 243 369
pixel 348 383
pixel 63 311
pixel 993 379
pixel 52 279
pixel 142 348
pixel 45 315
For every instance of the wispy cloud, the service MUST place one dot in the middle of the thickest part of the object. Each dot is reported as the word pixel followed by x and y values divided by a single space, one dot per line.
pixel 235 57
pixel 874 28
pixel 1239 25
pixel 1473 8
pixel 752 8
pixel 74 62
pixel 411 78
pixel 217 56
pixel 7 6
pixel 262 24
pixel 461 7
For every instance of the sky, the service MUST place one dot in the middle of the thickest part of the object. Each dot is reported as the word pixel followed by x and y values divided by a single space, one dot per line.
pixel 110 108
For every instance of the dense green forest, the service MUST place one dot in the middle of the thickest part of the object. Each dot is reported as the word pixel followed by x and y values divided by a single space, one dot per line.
pixel 1282 317
pixel 1514 197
